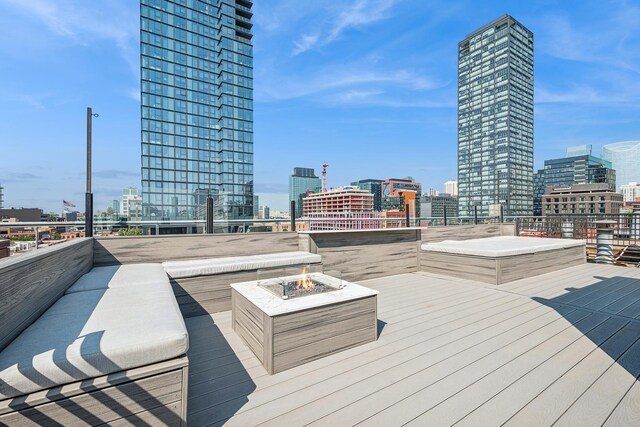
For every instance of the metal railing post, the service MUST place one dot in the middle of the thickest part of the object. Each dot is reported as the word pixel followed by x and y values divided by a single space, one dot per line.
pixel 88 209
pixel 406 215
pixel 445 215
pixel 293 215
pixel 475 214
pixel 209 226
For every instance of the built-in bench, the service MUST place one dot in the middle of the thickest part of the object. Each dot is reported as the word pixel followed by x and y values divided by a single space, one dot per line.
pixel 202 286
pixel 109 348
pixel 502 259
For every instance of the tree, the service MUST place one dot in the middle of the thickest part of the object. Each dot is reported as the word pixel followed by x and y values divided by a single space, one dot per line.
pixel 130 232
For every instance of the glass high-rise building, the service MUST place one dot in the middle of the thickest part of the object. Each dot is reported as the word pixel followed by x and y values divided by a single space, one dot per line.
pixel 302 181
pixel 625 159
pixel 495 119
pixel 569 171
pixel 197 108
pixel 374 186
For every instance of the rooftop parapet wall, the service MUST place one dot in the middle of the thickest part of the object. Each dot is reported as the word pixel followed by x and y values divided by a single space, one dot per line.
pixel 31 283
pixel 128 250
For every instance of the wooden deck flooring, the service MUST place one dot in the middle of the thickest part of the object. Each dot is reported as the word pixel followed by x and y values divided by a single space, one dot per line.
pixel 560 348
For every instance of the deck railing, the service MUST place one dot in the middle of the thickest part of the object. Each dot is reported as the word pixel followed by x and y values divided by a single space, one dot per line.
pixel 101 225
pixel 582 226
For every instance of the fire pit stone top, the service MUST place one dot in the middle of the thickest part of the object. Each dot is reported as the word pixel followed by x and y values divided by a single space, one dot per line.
pixel 274 305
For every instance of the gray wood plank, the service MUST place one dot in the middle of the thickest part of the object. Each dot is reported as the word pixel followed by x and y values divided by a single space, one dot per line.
pixel 463 325
pixel 437 324
pixel 108 404
pixel 550 404
pixel 329 380
pixel 353 403
pixel 127 250
pixel 627 413
pixel 435 402
pixel 461 232
pixel 30 284
pixel 599 401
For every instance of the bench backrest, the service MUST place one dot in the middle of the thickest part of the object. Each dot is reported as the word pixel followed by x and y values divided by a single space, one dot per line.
pixel 466 232
pixel 128 250
pixel 30 283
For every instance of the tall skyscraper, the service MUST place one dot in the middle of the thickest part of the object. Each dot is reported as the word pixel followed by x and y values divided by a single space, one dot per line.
pixel 1 197
pixel 495 119
pixel 301 182
pixel 197 107
pixel 625 159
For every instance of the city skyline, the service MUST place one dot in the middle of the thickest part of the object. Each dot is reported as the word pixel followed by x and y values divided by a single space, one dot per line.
pixel 368 79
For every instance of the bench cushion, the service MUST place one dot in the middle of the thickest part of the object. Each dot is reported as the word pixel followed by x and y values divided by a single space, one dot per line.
pixel 501 246
pixel 119 276
pixel 206 267
pixel 93 333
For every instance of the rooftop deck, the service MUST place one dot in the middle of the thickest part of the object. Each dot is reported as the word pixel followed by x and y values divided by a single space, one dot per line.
pixel 558 348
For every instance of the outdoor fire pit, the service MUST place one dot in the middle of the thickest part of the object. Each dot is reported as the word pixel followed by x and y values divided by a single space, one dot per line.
pixel 295 287
pixel 291 320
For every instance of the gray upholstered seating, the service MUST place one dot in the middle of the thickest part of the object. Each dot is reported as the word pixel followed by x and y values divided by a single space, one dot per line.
pixel 119 276
pixel 206 267
pixel 112 319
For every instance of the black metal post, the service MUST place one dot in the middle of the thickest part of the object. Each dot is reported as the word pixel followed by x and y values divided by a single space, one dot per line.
pixel 406 215
pixel 293 215
pixel 209 214
pixel 475 215
pixel 445 215
pixel 501 214
pixel 88 208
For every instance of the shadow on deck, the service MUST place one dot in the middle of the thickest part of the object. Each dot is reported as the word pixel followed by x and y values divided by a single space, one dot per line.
pixel 611 318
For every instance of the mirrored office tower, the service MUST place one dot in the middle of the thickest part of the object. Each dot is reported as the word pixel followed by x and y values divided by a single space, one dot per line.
pixel 495 119
pixel 197 108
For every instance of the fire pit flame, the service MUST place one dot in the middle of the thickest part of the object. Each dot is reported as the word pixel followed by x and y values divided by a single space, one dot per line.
pixel 305 283
pixel 299 286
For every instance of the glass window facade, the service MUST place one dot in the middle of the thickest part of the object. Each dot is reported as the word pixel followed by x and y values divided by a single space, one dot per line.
pixel 301 181
pixel 570 171
pixel 197 108
pixel 625 159
pixel 495 119
pixel 374 186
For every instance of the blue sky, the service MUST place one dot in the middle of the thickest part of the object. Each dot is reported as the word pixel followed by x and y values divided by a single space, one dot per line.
pixel 367 85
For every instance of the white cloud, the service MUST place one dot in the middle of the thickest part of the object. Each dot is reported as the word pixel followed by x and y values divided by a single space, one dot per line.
pixel 305 43
pixel 358 79
pixel 607 42
pixel 83 22
pixel 357 14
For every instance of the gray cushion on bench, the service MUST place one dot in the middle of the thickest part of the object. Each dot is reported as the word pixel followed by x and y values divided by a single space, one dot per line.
pixel 205 267
pixel 501 246
pixel 119 276
pixel 94 333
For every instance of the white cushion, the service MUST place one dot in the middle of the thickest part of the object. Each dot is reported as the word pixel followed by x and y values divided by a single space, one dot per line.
pixel 501 246
pixel 94 333
pixel 119 276
pixel 205 267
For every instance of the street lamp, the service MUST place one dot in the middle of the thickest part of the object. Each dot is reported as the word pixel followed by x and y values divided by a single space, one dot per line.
pixel 88 210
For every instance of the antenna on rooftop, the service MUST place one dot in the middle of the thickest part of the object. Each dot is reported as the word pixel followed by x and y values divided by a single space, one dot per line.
pixel 324 177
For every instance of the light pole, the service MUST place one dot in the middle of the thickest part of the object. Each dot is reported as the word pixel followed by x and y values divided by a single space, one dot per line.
pixel 88 210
